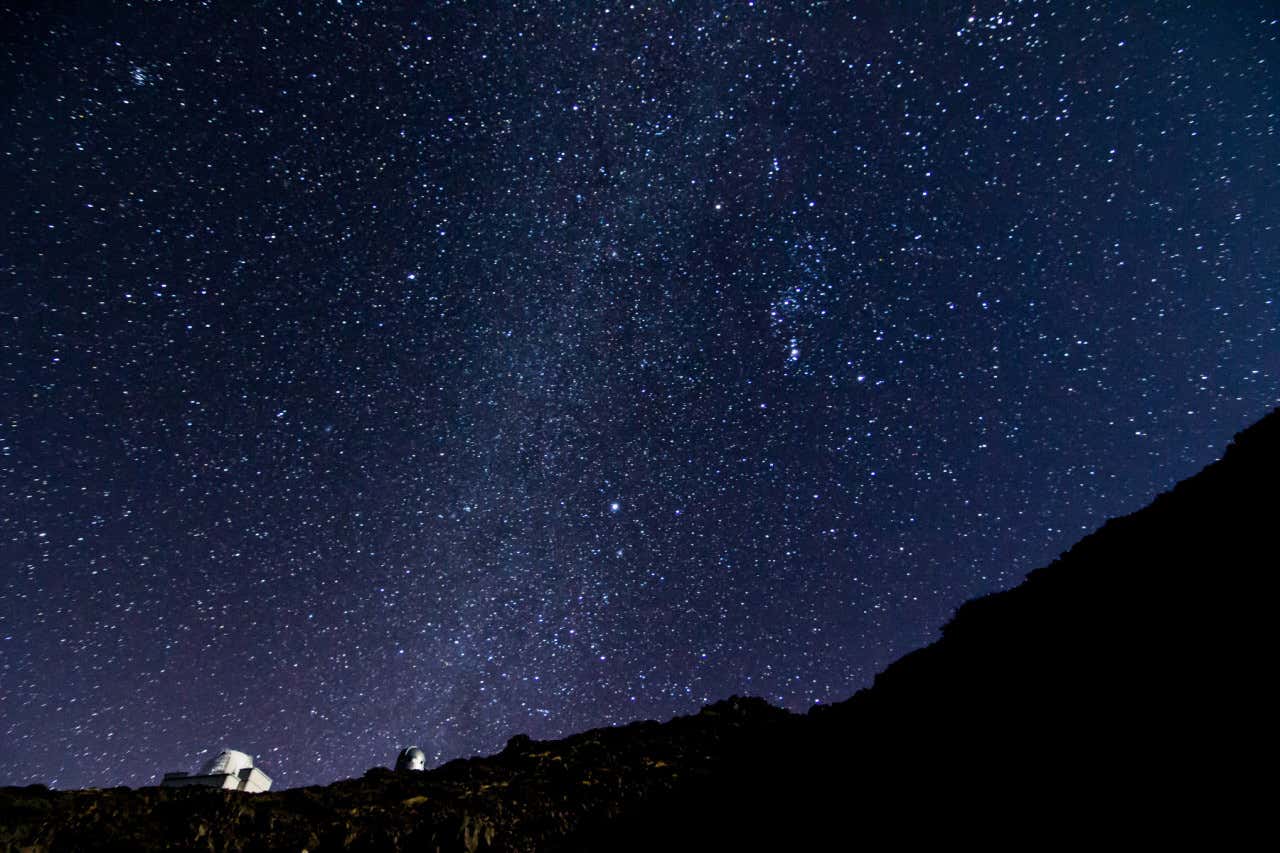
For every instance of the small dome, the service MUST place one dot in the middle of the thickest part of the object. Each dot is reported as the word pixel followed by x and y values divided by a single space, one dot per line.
pixel 230 761
pixel 411 758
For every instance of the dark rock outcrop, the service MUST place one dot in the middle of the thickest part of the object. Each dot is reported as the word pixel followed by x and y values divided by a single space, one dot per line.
pixel 1119 693
pixel 533 795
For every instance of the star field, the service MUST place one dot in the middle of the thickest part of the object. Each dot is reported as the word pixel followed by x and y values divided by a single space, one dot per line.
pixel 374 376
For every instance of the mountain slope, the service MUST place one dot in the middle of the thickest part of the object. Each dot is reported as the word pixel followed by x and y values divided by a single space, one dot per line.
pixel 1121 690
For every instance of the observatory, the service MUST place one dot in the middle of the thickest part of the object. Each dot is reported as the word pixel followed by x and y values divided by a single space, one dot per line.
pixel 231 769
pixel 411 758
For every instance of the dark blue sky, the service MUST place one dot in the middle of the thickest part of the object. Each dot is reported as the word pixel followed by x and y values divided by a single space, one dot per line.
pixel 373 376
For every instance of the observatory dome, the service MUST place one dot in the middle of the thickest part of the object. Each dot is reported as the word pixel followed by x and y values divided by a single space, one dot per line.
pixel 230 761
pixel 411 758
pixel 230 769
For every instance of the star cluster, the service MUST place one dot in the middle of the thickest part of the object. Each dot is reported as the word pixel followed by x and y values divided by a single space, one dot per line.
pixel 375 375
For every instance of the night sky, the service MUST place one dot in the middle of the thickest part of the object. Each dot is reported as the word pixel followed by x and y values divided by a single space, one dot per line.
pixel 374 376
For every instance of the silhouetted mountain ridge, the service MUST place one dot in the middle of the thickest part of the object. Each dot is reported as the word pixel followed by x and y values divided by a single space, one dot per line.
pixel 1118 693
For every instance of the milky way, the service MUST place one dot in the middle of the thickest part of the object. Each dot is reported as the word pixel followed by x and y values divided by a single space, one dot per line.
pixel 373 376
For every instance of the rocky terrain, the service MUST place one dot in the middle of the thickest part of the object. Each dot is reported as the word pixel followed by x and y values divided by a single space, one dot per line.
pixel 1118 694
pixel 529 794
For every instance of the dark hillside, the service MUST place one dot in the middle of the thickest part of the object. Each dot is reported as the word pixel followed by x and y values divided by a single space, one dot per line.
pixel 1121 688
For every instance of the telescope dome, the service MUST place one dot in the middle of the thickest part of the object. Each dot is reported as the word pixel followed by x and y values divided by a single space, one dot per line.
pixel 230 761
pixel 411 758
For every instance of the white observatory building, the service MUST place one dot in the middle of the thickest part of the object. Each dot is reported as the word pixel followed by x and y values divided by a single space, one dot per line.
pixel 411 758
pixel 231 769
